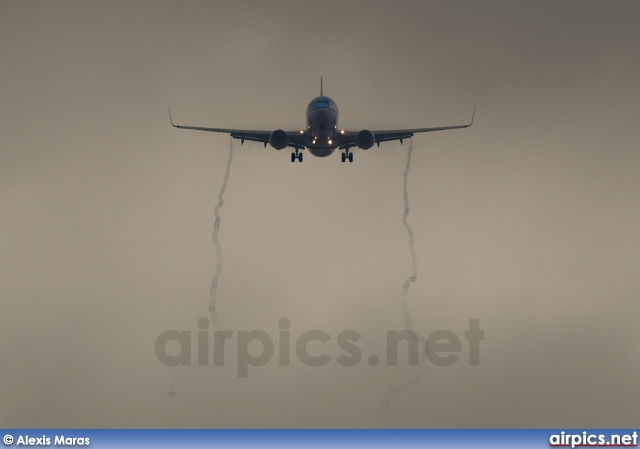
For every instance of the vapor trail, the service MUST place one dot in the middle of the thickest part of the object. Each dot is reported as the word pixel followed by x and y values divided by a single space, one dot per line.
pixel 403 295
pixel 214 282
pixel 414 258
pixel 172 387
pixel 216 243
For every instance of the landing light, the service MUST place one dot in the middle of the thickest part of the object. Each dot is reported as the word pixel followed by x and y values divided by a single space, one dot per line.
pixel 301 132
pixel 330 142
pixel 342 131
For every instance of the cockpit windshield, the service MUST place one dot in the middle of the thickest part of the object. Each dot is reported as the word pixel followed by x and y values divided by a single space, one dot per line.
pixel 322 102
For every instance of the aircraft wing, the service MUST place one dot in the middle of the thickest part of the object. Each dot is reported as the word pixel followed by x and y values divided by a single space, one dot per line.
pixel 386 135
pixel 247 134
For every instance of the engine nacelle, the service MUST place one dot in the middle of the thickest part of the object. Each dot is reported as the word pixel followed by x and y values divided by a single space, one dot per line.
pixel 279 139
pixel 365 139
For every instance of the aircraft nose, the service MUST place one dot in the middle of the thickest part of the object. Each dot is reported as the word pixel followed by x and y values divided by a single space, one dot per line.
pixel 321 116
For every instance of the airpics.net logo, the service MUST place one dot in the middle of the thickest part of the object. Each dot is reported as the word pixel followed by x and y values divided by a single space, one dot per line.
pixel 256 348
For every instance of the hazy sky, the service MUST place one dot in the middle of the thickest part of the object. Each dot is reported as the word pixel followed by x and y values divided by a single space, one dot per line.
pixel 527 221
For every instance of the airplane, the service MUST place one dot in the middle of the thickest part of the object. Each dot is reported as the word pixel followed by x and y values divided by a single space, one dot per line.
pixel 322 136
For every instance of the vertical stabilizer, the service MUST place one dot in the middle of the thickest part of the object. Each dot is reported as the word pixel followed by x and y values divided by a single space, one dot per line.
pixel 320 86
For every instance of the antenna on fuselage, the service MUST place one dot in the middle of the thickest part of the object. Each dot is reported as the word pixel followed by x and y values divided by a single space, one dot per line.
pixel 320 86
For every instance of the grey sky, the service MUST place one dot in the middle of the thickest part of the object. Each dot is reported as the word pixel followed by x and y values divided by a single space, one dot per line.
pixel 528 220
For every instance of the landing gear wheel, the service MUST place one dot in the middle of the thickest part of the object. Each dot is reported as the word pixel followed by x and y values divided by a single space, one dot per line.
pixel 293 157
pixel 300 157
pixel 350 157
pixel 344 157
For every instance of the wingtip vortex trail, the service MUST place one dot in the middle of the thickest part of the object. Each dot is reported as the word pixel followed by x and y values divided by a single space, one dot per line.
pixel 403 295
pixel 214 237
pixel 214 282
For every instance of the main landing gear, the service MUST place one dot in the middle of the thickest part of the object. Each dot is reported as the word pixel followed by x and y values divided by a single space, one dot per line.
pixel 296 155
pixel 347 155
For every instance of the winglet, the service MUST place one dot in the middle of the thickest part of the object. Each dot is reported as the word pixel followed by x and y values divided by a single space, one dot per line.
pixel 170 119
pixel 472 115
pixel 320 86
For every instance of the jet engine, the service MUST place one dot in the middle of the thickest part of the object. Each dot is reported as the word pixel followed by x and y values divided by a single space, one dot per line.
pixel 279 139
pixel 365 139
